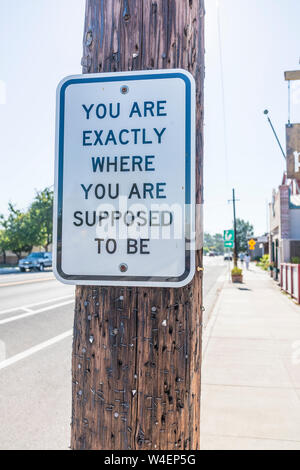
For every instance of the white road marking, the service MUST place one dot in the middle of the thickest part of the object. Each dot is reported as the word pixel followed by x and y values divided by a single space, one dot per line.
pixel 34 312
pixel 34 349
pixel 28 308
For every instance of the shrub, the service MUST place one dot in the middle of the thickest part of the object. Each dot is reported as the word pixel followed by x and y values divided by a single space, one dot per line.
pixel 236 271
pixel 295 260
pixel 264 262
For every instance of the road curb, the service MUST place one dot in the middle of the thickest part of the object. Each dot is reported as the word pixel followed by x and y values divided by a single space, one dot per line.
pixel 212 317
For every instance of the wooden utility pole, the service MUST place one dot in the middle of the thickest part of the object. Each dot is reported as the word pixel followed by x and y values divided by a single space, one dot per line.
pixel 235 257
pixel 137 351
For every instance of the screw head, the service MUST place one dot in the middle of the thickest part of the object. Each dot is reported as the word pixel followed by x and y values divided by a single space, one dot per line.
pixel 124 89
pixel 123 267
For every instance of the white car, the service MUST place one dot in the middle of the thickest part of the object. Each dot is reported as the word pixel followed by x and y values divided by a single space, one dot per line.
pixel 38 261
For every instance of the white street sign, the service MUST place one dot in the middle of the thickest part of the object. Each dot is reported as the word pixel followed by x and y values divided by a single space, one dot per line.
pixel 125 179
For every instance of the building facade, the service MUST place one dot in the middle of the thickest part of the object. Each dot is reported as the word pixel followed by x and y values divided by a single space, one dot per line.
pixel 284 240
pixel 261 247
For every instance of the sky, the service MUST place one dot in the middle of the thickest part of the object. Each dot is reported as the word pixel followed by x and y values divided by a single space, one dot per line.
pixel 259 41
pixel 41 42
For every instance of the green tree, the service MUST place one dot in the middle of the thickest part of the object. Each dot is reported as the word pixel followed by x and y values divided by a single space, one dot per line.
pixel 219 242
pixel 213 243
pixel 208 241
pixel 21 233
pixel 4 243
pixel 41 214
pixel 244 232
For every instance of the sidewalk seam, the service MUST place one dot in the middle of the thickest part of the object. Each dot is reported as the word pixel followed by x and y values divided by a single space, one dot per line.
pixel 264 387
pixel 232 436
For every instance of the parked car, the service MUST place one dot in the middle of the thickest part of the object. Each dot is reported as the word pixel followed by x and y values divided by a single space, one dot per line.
pixel 40 261
pixel 228 257
pixel 211 253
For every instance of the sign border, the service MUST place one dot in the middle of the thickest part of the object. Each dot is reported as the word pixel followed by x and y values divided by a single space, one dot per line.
pixel 146 281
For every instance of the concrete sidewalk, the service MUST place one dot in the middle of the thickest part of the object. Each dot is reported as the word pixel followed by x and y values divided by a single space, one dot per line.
pixel 251 368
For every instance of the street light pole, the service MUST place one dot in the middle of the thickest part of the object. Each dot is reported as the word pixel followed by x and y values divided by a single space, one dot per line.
pixel 266 112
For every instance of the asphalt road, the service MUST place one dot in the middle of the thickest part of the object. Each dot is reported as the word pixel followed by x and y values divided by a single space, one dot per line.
pixel 216 270
pixel 36 319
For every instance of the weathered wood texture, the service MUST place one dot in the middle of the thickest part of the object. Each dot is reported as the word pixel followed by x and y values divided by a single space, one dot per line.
pixel 137 351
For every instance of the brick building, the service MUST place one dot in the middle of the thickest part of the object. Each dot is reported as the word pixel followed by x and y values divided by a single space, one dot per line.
pixel 284 241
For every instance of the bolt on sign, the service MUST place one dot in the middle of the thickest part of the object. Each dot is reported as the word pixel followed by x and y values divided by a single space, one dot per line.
pixel 228 238
pixel 125 179
pixel 252 244
pixel 293 150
